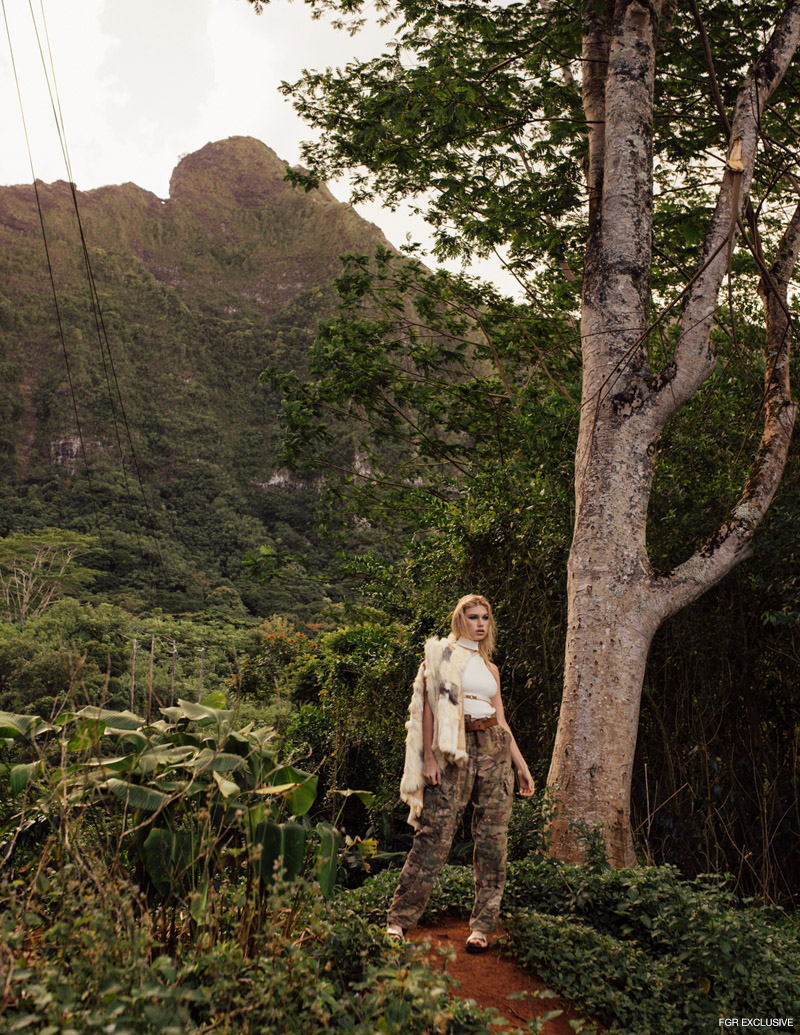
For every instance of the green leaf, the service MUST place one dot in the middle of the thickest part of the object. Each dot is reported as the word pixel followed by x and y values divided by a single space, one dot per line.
pixel 169 856
pixel 197 713
pixel 120 764
pixel 366 797
pixel 327 859
pixel 25 1021
pixel 293 847
pixel 150 760
pixel 124 720
pixel 218 761
pixel 253 817
pixel 85 736
pixel 135 738
pixel 216 699
pixel 21 775
pixel 12 725
pixel 227 788
pixel 198 903
pixel 304 788
pixel 284 841
pixel 278 788
pixel 147 799
pixel 268 836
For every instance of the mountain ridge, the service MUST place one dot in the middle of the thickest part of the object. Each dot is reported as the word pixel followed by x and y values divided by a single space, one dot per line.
pixel 199 293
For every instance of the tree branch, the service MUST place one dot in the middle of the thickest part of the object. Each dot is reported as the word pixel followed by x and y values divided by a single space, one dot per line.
pixel 694 358
pixel 731 541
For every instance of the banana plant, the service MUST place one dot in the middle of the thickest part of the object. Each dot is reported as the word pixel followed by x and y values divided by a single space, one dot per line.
pixel 190 793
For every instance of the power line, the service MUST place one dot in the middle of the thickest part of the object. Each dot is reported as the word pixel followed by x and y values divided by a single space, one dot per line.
pixel 97 311
pixel 59 322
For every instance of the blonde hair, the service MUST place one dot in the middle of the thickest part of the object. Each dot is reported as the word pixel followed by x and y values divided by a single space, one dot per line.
pixel 459 626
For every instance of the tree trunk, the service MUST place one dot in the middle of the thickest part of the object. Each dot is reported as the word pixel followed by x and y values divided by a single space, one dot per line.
pixel 592 763
pixel 615 601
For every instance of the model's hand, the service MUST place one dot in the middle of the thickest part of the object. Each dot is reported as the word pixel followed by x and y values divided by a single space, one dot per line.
pixel 431 773
pixel 526 784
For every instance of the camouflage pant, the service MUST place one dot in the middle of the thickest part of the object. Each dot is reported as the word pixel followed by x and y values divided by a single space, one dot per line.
pixel 485 777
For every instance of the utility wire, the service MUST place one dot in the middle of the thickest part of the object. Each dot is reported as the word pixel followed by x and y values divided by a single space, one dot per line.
pixel 59 322
pixel 61 131
pixel 97 311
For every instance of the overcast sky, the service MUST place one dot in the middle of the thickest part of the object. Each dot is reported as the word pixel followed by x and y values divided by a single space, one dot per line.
pixel 142 82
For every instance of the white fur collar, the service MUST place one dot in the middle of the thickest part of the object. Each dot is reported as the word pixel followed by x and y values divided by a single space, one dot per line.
pixel 439 677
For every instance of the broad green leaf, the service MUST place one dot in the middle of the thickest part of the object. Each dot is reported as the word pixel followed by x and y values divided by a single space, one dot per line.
pixel 21 775
pixel 85 736
pixel 260 766
pixel 327 859
pixel 198 904
pixel 169 856
pixel 280 788
pixel 293 840
pixel 262 738
pixel 147 799
pixel 197 713
pixel 365 797
pixel 161 726
pixel 120 764
pixel 238 744
pixel 268 837
pixel 253 817
pixel 151 760
pixel 63 718
pixel 218 761
pixel 12 725
pixel 285 841
pixel 216 699
pixel 227 787
pixel 157 854
pixel 124 720
pixel 303 795
pixel 135 738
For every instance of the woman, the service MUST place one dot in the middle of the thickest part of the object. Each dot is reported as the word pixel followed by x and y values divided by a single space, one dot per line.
pixel 458 748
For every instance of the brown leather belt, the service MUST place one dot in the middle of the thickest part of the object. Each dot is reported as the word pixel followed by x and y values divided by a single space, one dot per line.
pixel 478 726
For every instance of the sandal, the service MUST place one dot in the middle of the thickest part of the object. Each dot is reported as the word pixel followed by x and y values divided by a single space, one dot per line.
pixel 477 942
pixel 394 932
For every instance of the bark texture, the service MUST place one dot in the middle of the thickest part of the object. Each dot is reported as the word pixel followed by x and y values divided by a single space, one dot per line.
pixel 615 601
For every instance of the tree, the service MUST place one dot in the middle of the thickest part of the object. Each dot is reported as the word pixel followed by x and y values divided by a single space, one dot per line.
pixel 616 600
pixel 617 154
pixel 37 568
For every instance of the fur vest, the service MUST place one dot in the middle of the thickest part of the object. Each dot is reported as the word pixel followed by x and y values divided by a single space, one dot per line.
pixel 440 673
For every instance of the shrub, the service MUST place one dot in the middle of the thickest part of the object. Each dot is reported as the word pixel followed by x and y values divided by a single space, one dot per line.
pixel 75 960
pixel 527 829
pixel 650 952
pixel 354 694
pixel 641 950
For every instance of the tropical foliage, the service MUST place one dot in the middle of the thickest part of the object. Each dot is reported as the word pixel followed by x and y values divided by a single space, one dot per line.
pixel 170 864
pixel 180 799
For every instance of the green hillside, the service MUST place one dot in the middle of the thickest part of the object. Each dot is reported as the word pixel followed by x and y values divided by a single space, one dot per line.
pixel 197 294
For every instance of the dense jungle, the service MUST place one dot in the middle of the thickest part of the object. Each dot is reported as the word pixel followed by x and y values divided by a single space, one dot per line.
pixel 249 459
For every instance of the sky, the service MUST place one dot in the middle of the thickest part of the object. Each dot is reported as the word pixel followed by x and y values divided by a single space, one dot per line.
pixel 143 82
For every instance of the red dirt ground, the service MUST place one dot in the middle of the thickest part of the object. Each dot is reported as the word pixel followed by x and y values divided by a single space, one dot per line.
pixel 490 977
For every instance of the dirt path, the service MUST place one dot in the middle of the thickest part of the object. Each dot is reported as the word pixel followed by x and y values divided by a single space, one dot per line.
pixel 490 977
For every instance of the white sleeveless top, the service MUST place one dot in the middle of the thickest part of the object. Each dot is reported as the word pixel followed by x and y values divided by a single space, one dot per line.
pixel 478 685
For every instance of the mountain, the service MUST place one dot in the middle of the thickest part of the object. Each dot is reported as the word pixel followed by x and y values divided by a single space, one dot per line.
pixel 157 383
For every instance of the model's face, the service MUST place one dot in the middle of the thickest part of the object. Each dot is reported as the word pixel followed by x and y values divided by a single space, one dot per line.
pixel 476 620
